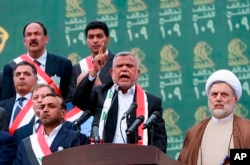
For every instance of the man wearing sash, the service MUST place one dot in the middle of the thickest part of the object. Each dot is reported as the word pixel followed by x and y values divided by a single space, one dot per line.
pixel 53 136
pixel 109 102
pixel 25 78
pixel 97 38
pixel 39 92
pixel 52 69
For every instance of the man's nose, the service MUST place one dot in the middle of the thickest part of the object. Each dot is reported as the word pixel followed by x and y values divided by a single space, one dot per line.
pixel 218 97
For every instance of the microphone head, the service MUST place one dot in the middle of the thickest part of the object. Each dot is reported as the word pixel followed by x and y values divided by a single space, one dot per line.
pixel 134 104
pixel 151 119
pixel 132 107
pixel 141 118
pixel 95 124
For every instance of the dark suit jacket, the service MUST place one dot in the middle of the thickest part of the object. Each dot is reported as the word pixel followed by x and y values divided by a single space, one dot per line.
pixel 55 65
pixel 7 148
pixel 65 138
pixel 104 74
pixel 4 120
pixel 88 96
pixel 27 130
pixel 8 104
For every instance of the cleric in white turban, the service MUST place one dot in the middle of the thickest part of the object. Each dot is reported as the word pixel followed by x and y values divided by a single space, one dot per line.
pixel 228 77
pixel 210 140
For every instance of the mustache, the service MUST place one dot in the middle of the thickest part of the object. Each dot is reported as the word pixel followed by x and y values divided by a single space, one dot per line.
pixel 33 42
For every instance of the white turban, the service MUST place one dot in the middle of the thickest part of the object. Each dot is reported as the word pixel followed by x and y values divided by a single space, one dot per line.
pixel 228 77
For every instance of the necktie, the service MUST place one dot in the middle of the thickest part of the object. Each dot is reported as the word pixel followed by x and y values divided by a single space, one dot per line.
pixel 19 106
pixel 38 124
pixel 37 62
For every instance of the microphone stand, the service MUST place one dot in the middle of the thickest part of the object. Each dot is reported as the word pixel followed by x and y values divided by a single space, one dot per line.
pixel 151 132
pixel 78 134
pixel 136 137
pixel 128 123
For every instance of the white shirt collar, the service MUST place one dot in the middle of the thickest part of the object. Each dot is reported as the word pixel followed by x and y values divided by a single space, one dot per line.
pixel 27 96
pixel 215 120
pixel 41 59
pixel 130 90
pixel 50 138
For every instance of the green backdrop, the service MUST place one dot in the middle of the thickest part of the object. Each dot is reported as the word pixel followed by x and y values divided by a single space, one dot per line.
pixel 179 42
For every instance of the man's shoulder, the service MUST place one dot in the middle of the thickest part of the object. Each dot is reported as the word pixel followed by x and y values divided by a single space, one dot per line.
pixel 58 57
pixel 241 119
pixel 5 135
pixel 7 101
pixel 152 96
pixel 10 64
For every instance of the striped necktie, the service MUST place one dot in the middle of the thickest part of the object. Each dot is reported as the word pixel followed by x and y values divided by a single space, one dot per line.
pixel 38 124
pixel 19 106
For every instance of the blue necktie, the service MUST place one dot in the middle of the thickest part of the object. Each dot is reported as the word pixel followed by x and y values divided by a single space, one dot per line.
pixel 38 124
pixel 19 106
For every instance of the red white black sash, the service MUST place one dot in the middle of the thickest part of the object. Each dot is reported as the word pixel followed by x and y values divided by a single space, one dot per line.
pixel 40 146
pixel 23 117
pixel 42 76
pixel 73 114
pixel 142 109
pixel 85 64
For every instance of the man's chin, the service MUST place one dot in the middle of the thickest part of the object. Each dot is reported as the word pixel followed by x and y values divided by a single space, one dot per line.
pixel 219 113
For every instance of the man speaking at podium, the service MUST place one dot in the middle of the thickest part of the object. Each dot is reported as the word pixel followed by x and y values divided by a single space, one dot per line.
pixel 110 103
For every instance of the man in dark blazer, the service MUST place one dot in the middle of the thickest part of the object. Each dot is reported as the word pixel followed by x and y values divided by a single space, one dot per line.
pixel 4 120
pixel 7 148
pixel 25 78
pixel 97 38
pixel 117 99
pixel 38 94
pixel 57 68
pixel 53 111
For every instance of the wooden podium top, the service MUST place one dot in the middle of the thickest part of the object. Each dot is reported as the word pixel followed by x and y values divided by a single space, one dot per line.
pixel 109 154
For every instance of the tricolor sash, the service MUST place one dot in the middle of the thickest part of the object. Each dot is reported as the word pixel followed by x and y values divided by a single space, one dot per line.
pixel 73 114
pixel 23 117
pixel 86 64
pixel 142 109
pixel 40 146
pixel 42 76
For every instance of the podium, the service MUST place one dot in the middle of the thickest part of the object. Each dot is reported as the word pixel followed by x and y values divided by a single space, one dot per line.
pixel 109 154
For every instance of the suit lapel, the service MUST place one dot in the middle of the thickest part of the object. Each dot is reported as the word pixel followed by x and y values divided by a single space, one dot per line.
pixel 58 141
pixel 50 65
pixel 9 106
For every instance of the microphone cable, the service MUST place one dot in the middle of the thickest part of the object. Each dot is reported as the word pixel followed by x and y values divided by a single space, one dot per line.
pixel 121 132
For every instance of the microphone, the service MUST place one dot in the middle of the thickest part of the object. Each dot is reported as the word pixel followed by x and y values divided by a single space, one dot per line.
pixel 151 119
pixel 86 114
pixel 135 124
pixel 95 131
pixel 131 108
